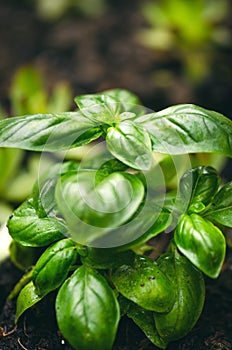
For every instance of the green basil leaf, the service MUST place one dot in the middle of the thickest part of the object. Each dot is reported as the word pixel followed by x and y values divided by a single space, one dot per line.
pixel 93 210
pixel 146 225
pixel 130 105
pixel 48 132
pixel 111 166
pixel 26 299
pixel 123 96
pixel 110 106
pixel 44 189
pixel 23 257
pixel 44 197
pixel 127 116
pixel 162 222
pixel 145 321
pixel 99 107
pixel 29 229
pixel 145 284
pixel 87 311
pixel 104 258
pixel 199 185
pixel 220 210
pixel 189 292
pixel 53 266
pixel 202 243
pixel 148 221
pixel 131 144
pixel 188 129
pixel 21 283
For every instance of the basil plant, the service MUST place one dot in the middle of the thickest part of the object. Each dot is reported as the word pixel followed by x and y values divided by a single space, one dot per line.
pixel 86 227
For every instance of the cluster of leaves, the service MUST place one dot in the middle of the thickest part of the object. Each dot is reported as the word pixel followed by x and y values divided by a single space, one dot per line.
pixel 89 218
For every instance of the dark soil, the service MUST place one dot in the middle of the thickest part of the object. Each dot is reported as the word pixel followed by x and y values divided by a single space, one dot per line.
pixel 93 55
pixel 37 328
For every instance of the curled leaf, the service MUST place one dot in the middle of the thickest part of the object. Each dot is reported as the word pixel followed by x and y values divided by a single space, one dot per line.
pixel 53 266
pixel 130 143
pixel 202 243
pixel 26 299
pixel 145 284
pixel 29 229
pixel 198 186
pixel 92 209
pixel 220 210
pixel 189 297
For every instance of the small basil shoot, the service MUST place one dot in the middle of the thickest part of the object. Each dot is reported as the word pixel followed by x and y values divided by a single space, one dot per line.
pixel 85 222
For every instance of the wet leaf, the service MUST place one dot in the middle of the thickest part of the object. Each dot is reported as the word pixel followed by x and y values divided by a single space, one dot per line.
pixel 87 311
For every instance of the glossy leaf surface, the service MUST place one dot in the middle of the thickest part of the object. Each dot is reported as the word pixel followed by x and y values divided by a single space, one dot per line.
pixel 202 243
pixel 189 297
pixel 104 258
pixel 26 299
pixel 129 103
pixel 87 311
pixel 53 266
pixel 148 224
pixel 188 129
pixel 110 106
pixel 29 229
pixel 99 107
pixel 145 284
pixel 48 132
pixel 145 321
pixel 198 186
pixel 91 210
pixel 131 144
pixel 109 167
pixel 220 210
pixel 44 189
pixel 124 97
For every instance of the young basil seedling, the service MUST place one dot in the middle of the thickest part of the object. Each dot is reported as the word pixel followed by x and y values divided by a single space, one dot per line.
pixel 87 221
